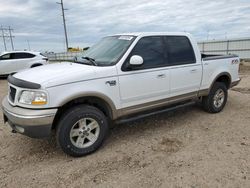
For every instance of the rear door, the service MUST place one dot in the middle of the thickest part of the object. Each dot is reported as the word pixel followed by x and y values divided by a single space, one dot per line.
pixel 22 60
pixel 185 69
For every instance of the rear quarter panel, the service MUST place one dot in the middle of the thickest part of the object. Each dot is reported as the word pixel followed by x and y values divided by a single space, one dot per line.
pixel 213 68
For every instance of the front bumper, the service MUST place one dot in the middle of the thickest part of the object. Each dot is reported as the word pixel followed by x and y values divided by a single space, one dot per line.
pixel 31 122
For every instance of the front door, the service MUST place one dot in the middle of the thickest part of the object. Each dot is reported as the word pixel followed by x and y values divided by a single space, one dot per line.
pixel 6 64
pixel 140 85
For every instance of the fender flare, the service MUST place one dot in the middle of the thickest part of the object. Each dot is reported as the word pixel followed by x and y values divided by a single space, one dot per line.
pixel 114 112
pixel 219 75
pixel 205 92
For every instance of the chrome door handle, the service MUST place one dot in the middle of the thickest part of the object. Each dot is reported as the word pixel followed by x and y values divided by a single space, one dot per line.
pixel 161 76
pixel 193 70
pixel 111 82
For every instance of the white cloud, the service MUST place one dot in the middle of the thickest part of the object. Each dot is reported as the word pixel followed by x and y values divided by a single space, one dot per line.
pixel 88 20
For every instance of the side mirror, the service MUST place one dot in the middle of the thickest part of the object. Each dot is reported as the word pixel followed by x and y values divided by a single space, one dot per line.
pixel 136 60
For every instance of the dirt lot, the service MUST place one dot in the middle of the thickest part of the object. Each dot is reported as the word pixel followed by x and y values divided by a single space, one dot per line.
pixel 184 148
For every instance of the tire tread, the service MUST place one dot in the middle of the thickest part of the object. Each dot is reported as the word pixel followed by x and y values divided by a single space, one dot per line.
pixel 67 116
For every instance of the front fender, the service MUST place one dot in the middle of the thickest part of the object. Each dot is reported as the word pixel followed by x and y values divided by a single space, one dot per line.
pixel 100 96
pixel 62 94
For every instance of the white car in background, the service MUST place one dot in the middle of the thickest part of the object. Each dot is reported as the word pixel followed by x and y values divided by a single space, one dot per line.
pixel 12 62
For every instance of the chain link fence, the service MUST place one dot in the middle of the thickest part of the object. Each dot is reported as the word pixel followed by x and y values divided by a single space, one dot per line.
pixel 240 47
pixel 63 56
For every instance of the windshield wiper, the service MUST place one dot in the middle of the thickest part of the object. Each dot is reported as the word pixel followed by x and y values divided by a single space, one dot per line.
pixel 91 60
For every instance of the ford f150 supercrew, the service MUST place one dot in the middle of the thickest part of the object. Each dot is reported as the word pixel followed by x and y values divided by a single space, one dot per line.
pixel 120 78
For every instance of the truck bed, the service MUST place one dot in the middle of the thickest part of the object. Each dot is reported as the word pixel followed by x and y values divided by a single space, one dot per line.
pixel 206 57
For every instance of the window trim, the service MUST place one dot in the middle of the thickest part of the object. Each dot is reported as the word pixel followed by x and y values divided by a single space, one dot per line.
pixel 166 49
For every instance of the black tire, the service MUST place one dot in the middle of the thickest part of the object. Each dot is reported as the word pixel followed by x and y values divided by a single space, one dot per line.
pixel 69 119
pixel 208 101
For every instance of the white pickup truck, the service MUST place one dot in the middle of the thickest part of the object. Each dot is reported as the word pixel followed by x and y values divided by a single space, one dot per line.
pixel 118 79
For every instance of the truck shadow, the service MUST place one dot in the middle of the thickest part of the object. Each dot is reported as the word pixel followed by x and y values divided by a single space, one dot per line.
pixel 166 120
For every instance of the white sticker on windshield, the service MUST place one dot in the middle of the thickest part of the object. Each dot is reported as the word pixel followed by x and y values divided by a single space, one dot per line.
pixel 125 37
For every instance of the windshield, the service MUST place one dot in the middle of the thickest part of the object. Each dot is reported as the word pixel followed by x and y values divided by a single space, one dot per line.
pixel 109 50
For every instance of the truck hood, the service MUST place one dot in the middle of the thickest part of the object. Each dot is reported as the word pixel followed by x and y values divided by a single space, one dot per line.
pixel 58 73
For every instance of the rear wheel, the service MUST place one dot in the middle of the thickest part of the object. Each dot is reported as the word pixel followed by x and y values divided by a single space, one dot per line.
pixel 82 130
pixel 216 99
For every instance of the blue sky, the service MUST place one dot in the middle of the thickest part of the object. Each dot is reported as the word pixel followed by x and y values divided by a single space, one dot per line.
pixel 40 22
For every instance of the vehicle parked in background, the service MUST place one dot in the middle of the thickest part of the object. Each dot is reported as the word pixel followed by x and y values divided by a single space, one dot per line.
pixel 121 78
pixel 12 62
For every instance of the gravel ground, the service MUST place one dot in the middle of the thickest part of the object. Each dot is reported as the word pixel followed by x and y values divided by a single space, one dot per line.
pixel 184 148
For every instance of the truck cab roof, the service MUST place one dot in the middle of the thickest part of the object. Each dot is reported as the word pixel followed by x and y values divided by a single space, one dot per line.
pixel 143 34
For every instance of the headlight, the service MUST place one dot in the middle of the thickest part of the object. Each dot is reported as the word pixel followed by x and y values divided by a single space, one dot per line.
pixel 33 98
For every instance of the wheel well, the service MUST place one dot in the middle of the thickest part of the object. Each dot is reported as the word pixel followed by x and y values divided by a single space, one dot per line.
pixel 36 65
pixel 224 79
pixel 92 101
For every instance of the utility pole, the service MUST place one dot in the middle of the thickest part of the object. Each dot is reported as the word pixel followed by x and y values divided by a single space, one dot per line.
pixel 28 42
pixel 12 45
pixel 3 35
pixel 225 35
pixel 207 34
pixel 64 24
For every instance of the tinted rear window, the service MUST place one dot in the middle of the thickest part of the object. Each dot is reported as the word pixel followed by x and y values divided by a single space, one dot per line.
pixel 22 55
pixel 180 50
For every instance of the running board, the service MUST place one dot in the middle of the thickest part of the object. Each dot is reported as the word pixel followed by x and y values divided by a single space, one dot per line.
pixel 147 114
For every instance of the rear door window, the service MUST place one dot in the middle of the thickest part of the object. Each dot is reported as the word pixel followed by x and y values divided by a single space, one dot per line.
pixel 180 50
pixel 22 55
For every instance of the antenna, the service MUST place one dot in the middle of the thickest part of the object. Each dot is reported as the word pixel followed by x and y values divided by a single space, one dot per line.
pixel 28 42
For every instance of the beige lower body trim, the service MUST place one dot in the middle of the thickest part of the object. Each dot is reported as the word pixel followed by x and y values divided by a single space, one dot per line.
pixel 203 92
pixel 156 104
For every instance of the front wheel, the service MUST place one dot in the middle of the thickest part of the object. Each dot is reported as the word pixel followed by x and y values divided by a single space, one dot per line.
pixel 82 130
pixel 217 98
